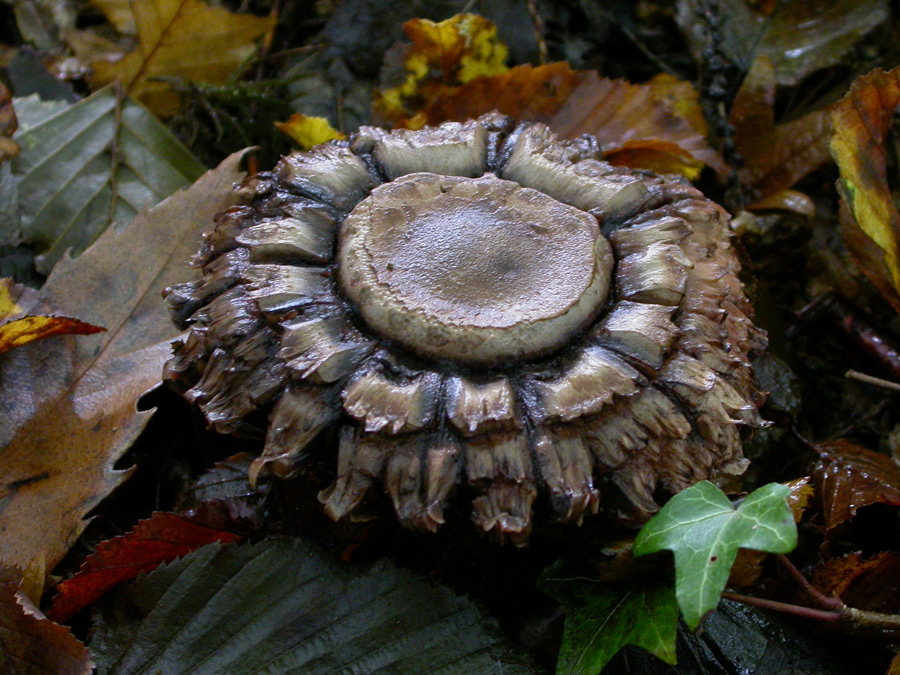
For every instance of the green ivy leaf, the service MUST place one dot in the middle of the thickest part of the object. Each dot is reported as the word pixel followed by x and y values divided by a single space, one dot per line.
pixel 704 530
pixel 602 618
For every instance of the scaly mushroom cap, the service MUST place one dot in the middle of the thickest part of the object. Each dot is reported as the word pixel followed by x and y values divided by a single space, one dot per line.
pixel 482 308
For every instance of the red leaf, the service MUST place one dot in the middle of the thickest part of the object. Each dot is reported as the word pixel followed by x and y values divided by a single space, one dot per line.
pixel 849 477
pixel 159 539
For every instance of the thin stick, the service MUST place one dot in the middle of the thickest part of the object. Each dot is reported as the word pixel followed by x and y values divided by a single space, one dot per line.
pixel 538 26
pixel 796 610
pixel 831 603
pixel 868 379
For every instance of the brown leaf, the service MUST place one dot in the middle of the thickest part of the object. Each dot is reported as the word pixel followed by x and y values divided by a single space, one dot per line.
pixel 19 325
pixel 872 585
pixel 31 644
pixel 159 539
pixel 8 124
pixel 648 125
pixel 870 220
pixel 848 477
pixel 70 405
pixel 775 157
pixel 523 92
pixel 181 38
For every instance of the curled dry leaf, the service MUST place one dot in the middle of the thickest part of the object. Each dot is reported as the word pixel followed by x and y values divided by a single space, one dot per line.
pixel 30 644
pixel 848 477
pixel 24 318
pixel 159 539
pixel 180 38
pixel 869 217
pixel 70 405
pixel 308 131
pixel 776 156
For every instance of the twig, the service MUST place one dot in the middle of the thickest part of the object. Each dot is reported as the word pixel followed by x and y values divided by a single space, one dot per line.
pixel 786 608
pixel 831 603
pixel 538 26
pixel 869 379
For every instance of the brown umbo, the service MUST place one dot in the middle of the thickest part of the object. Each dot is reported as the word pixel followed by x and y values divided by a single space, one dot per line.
pixel 483 309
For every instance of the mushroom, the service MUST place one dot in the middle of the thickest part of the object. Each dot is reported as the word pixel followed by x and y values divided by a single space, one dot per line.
pixel 482 309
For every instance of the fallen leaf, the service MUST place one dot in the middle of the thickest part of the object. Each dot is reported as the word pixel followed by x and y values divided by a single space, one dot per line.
pixel 70 405
pixel 524 92
pixel 8 124
pixel 119 14
pixel 181 38
pixel 86 166
pixel 19 324
pixel 704 531
pixel 442 55
pixel 29 643
pixel 640 125
pixel 601 618
pixel 798 37
pixel 227 487
pixel 848 477
pixel 281 606
pixel 775 156
pixel 872 585
pixel 869 218
pixel 159 539
pixel 308 131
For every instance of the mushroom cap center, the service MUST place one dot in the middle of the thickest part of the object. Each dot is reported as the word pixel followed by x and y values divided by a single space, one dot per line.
pixel 476 270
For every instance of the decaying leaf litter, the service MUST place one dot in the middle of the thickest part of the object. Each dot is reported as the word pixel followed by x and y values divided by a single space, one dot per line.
pixel 753 130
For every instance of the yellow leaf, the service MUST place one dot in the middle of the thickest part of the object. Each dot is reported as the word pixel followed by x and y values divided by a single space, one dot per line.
pixel 869 218
pixel 442 55
pixel 308 131
pixel 181 38
pixel 118 13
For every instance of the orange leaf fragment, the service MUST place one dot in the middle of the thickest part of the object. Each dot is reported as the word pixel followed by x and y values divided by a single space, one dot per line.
pixel 524 92
pixel 308 131
pixel 29 642
pixel 8 124
pixel 870 220
pixel 848 477
pixel 442 56
pixel 658 125
pixel 157 540
pixel 872 585
pixel 19 325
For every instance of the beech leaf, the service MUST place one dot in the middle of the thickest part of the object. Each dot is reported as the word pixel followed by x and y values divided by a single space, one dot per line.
pixel 24 318
pixel 601 618
pixel 181 38
pixel 86 166
pixel 280 606
pixel 848 477
pixel 870 220
pixel 159 539
pixel 29 643
pixel 70 405
pixel 704 531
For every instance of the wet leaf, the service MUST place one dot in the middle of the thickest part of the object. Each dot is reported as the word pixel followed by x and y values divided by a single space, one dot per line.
pixel 307 131
pixel 704 531
pixel 180 38
pixel 776 156
pixel 870 220
pixel 281 606
pixel 70 404
pixel 848 477
pixel 523 92
pixel 23 318
pixel 869 584
pixel 647 126
pixel 159 539
pixel 226 487
pixel 442 55
pixel 601 618
pixel 89 165
pixel 798 37
pixel 29 643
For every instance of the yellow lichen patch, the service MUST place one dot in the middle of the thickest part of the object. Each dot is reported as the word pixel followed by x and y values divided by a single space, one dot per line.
pixel 442 55
pixel 308 131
